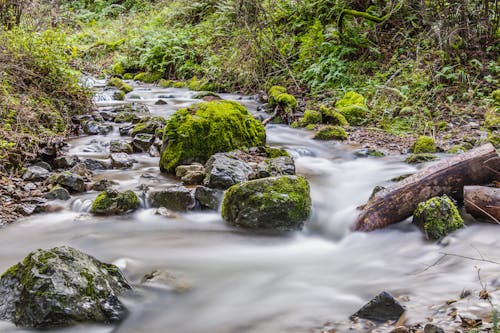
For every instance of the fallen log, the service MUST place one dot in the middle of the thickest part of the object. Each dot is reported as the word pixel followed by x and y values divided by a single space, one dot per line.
pixel 398 202
pixel 483 202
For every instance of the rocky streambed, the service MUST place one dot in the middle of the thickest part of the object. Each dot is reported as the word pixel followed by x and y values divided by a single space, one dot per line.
pixel 192 272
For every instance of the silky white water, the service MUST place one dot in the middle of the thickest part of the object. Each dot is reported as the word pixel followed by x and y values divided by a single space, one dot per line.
pixel 234 280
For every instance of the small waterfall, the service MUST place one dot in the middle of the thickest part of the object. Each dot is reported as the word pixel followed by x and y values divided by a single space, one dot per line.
pixel 81 206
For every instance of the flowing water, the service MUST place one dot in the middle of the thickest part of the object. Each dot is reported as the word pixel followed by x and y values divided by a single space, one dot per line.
pixel 221 279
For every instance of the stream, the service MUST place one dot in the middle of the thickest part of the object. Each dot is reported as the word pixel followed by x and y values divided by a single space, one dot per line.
pixel 225 280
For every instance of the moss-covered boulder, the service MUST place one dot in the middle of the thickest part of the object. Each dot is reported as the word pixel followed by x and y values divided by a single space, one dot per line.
pixel 278 95
pixel 353 107
pixel 147 77
pixel 112 202
pixel 311 117
pixel 275 203
pixel 437 217
pixel 496 96
pixel 420 158
pixel 196 133
pixel 424 144
pixel 333 117
pixel 331 133
pixel 149 125
pixel 119 84
pixel 69 180
pixel 60 287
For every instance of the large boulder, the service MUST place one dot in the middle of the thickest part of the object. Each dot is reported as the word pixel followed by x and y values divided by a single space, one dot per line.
pixel 176 198
pixel 196 133
pixel 224 170
pixel 60 287
pixel 278 203
pixel 437 217
pixel 110 202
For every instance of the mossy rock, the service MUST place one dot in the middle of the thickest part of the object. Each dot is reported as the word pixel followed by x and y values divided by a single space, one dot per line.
pixel 128 76
pixel 166 83
pixel 179 84
pixel 354 114
pixel 125 117
pixel 203 94
pixel 278 96
pixel 196 133
pixel 351 98
pixel 496 96
pixel 119 95
pixel 274 203
pixel 112 202
pixel 119 84
pixel 149 125
pixel 61 287
pixel 494 139
pixel 311 117
pixel 420 158
pixel 200 85
pixel 147 77
pixel 457 149
pixel 331 133
pixel 117 68
pixel 333 117
pixel 437 217
pixel 273 152
pixel 424 144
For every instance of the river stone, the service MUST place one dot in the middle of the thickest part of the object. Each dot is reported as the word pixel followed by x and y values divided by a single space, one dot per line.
pixel 111 202
pixel 93 164
pixel 382 308
pixel 225 170
pixel 149 125
pixel 81 170
pixel 125 130
pixel 176 198
pixel 65 162
pixel 142 142
pixel 182 170
pixel 431 328
pixel 279 166
pixel 437 217
pixel 279 203
pixel 58 193
pixel 35 173
pixel 91 127
pixel 102 185
pixel 60 287
pixel 121 161
pixel 44 165
pixel 71 181
pixel 209 197
pixel 120 146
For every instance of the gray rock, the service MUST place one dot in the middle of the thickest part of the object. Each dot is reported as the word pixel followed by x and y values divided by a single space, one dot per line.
pixel 142 142
pixel 176 198
pixel 161 102
pixel 225 170
pixel 121 161
pixel 93 164
pixel 91 127
pixel 279 166
pixel 44 165
pixel 125 130
pixel 81 170
pixel 382 308
pixel 162 211
pixel 107 115
pixel 430 328
pixel 102 185
pixel 182 170
pixel 26 210
pixel 70 181
pixel 60 287
pixel 120 146
pixel 58 193
pixel 65 162
pixel 153 151
pixel 105 129
pixel 34 173
pixel 209 197
pixel 275 203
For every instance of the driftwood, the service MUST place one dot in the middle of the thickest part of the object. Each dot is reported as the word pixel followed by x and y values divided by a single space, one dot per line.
pixel 398 202
pixel 483 202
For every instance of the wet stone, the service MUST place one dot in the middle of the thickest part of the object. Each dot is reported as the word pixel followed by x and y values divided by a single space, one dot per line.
pixel 70 181
pixel 176 198
pixel 125 130
pixel 382 308
pixel 34 173
pixel 120 146
pixel 162 211
pixel 43 165
pixel 93 164
pixel 209 197
pixel 58 193
pixel 225 170
pixel 142 142
pixel 121 161
pixel 102 185
pixel 431 328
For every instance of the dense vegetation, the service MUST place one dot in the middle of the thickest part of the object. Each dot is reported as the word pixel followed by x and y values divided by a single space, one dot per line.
pixel 418 64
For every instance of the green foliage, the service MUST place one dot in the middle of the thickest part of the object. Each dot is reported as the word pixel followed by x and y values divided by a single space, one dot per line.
pixel 196 133
pixel 424 144
pixel 311 117
pixel 148 77
pixel 333 117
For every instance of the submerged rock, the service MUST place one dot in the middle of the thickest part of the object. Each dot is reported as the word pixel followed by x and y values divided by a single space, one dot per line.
pixel 420 158
pixel 176 198
pixel 280 203
pixel 225 170
pixel 149 125
pixel 382 308
pixel 112 202
pixel 60 287
pixel 196 133
pixel 437 217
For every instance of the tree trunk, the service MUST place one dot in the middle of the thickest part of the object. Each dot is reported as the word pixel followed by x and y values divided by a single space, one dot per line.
pixel 483 202
pixel 398 202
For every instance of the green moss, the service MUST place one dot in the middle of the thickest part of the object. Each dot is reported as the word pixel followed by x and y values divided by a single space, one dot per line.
pixel 442 125
pixel 166 83
pixel 204 94
pixel 179 84
pixel 354 114
pixel 311 117
pixel 333 117
pixel 420 158
pixel 494 138
pixel 457 149
pixel 147 77
pixel 119 84
pixel 424 144
pixel 149 125
pixel 438 217
pixel 278 96
pixel 351 98
pixel 117 68
pixel 311 127
pixel 496 96
pixel 128 76
pixel 113 202
pixel 492 120
pixel 125 117
pixel 200 85
pixel 276 152
pixel 331 133
pixel 196 133
pixel 119 95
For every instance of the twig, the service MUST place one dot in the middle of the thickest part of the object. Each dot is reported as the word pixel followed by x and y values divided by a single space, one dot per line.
pixel 444 255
